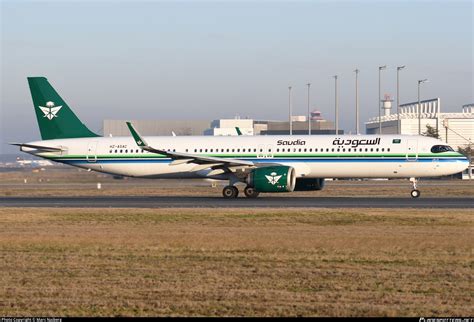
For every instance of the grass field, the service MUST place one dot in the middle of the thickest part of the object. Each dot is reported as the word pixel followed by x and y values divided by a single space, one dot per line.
pixel 236 262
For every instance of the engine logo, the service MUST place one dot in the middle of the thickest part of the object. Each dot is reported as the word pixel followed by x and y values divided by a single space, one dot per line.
pixel 273 178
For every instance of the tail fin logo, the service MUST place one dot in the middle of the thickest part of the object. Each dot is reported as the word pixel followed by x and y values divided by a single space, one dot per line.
pixel 50 110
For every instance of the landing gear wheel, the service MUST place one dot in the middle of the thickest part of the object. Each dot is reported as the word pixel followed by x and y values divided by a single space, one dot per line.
pixel 230 192
pixel 250 192
pixel 415 193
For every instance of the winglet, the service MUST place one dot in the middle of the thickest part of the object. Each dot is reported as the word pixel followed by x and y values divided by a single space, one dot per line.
pixel 136 136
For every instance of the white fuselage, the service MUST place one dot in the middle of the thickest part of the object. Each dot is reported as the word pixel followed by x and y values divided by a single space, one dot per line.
pixel 319 156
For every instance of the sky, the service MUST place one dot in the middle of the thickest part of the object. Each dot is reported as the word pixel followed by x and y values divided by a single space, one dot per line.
pixel 182 60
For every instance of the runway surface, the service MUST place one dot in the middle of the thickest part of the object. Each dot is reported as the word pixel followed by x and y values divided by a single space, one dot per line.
pixel 241 202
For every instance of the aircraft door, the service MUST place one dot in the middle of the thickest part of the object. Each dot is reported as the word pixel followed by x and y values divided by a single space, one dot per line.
pixel 92 152
pixel 412 150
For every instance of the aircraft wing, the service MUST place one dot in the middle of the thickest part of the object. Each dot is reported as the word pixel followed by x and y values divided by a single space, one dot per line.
pixel 180 157
pixel 39 147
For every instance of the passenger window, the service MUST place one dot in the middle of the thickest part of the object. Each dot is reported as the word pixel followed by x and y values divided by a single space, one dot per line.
pixel 120 151
pixel 115 151
pixel 383 149
pixel 388 149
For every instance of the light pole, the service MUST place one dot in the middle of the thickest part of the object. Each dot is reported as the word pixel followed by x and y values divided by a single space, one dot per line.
pixel 380 99
pixel 336 106
pixel 289 110
pixel 419 105
pixel 309 113
pixel 399 68
pixel 357 100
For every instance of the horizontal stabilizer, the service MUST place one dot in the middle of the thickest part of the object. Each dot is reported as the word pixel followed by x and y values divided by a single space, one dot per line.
pixel 39 147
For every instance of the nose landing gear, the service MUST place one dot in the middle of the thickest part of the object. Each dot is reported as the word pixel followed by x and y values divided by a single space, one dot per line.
pixel 415 193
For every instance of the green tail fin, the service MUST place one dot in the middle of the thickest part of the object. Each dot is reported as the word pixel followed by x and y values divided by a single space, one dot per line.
pixel 55 119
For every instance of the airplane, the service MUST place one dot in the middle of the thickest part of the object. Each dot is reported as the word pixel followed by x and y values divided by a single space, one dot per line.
pixel 265 164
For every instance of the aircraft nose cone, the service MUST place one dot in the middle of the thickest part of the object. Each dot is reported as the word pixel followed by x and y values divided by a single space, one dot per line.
pixel 462 164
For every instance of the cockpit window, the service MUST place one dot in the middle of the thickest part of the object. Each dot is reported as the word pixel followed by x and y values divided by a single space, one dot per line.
pixel 441 148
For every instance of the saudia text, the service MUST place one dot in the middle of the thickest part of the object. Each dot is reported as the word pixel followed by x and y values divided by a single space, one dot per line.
pixel 294 142
pixel 354 143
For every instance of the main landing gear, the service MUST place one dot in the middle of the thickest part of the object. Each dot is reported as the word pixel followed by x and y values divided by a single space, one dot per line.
pixel 250 192
pixel 231 192
pixel 415 193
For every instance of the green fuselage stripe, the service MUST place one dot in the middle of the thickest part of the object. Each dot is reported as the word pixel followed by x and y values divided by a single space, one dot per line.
pixel 276 155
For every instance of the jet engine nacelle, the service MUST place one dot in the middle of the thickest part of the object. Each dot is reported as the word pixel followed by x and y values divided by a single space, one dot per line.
pixel 272 179
pixel 309 184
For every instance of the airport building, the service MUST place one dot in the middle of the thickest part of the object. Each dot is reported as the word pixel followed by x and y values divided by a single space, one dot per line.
pixel 228 127
pixel 456 129
pixel 155 127
pixel 319 125
pixel 222 126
